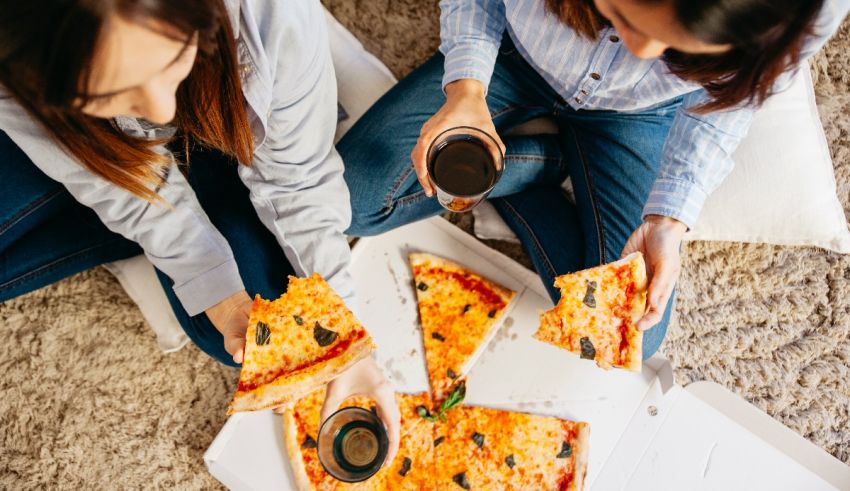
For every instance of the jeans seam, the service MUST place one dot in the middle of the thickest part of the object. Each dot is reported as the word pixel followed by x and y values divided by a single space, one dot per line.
pixel 42 270
pixel 388 203
pixel 28 210
pixel 406 200
pixel 510 108
pixel 538 249
pixel 532 158
pixel 597 216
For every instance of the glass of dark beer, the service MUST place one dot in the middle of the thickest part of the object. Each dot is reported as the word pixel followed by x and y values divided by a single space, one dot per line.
pixel 352 444
pixel 464 165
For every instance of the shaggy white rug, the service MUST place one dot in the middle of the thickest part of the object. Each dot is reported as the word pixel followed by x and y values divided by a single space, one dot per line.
pixel 88 401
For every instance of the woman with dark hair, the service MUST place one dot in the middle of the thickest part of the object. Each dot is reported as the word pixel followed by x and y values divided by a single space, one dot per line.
pixel 651 97
pixel 199 132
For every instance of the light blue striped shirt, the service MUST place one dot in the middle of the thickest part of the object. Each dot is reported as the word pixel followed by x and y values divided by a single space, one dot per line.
pixel 602 74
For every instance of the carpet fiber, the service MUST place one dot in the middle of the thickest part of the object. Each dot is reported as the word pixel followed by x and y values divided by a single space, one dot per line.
pixel 89 402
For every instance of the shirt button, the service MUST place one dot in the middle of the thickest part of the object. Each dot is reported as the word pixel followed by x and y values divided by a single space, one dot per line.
pixel 578 100
pixel 246 69
pixel 595 76
pixel 584 92
pixel 614 39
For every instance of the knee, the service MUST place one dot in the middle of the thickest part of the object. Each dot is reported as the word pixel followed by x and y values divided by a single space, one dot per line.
pixel 654 337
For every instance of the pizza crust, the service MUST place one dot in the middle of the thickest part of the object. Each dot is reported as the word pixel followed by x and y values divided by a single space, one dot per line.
pixel 581 458
pixel 290 388
pixel 293 448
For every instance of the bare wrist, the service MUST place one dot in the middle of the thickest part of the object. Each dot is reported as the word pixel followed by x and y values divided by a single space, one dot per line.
pixel 669 223
pixel 465 87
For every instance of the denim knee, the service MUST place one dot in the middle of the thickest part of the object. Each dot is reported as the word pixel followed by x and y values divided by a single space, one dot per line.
pixel 653 338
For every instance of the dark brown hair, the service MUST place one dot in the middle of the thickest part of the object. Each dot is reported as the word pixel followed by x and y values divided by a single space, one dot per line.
pixel 766 39
pixel 46 49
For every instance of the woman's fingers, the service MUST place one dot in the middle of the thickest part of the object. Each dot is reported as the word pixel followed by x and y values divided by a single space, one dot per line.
pixel 384 398
pixel 420 165
pixel 664 276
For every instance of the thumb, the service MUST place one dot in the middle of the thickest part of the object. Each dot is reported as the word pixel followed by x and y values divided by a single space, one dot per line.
pixel 334 397
pixel 661 286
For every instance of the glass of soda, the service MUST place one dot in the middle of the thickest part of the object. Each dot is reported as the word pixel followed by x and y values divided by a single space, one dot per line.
pixel 464 165
pixel 352 444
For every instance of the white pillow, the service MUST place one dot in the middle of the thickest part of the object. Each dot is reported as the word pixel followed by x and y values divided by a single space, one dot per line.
pixel 781 191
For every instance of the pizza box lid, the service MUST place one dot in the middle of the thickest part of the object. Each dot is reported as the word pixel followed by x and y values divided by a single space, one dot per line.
pixel 700 437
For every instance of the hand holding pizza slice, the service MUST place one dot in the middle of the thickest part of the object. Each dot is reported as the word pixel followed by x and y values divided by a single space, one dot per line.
pixel 598 311
pixel 296 344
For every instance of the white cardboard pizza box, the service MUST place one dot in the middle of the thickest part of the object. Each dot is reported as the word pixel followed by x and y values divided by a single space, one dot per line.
pixel 646 432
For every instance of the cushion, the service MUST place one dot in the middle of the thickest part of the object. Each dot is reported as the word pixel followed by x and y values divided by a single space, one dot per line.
pixel 781 191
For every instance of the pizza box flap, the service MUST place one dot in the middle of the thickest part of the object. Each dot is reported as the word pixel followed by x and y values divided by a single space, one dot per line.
pixel 514 372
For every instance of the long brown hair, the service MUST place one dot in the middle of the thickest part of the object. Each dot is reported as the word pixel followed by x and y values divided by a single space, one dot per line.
pixel 766 39
pixel 46 49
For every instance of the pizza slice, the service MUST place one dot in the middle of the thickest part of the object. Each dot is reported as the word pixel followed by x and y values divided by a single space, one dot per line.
pixel 481 448
pixel 410 470
pixel 458 310
pixel 297 343
pixel 597 313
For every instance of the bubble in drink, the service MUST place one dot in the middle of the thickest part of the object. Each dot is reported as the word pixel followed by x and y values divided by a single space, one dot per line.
pixel 359 447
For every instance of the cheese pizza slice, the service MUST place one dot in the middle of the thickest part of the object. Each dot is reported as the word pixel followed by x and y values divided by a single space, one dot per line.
pixel 597 313
pixel 482 448
pixel 296 344
pixel 410 470
pixel 458 310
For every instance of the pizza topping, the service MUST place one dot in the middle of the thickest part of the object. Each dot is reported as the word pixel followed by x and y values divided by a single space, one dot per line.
pixel 509 461
pixel 469 284
pixel 466 308
pixel 588 352
pixel 438 336
pixel 422 286
pixel 566 451
pixel 438 441
pixel 425 414
pixel 454 399
pixel 263 334
pixel 461 480
pixel 324 337
pixel 309 442
pixel 589 299
pixel 491 314
pixel 405 466
pixel 478 438
pixel 298 320
pixel 451 373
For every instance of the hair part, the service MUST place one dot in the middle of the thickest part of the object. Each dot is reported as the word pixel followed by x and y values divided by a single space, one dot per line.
pixel 766 38
pixel 46 67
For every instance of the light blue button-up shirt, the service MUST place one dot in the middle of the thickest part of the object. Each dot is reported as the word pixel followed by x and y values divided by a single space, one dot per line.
pixel 602 74
pixel 295 178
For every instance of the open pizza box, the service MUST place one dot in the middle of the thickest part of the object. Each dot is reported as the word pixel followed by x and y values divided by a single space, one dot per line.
pixel 646 432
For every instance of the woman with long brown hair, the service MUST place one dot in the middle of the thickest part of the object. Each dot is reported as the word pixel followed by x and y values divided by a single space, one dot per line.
pixel 650 97
pixel 199 132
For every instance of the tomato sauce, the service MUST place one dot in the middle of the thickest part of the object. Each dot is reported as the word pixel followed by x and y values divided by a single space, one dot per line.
pixel 469 284
pixel 335 351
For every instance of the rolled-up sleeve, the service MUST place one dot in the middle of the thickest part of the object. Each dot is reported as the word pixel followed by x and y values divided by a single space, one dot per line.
pixel 177 237
pixel 697 156
pixel 471 32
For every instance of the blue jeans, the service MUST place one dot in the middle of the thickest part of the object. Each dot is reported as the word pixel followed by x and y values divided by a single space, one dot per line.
pixel 45 235
pixel 611 157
